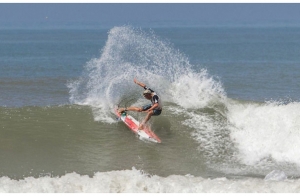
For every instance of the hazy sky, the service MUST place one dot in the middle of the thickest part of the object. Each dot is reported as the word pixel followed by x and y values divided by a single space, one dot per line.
pixel 129 12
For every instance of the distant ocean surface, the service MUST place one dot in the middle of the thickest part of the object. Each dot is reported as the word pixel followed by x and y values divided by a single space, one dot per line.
pixel 230 121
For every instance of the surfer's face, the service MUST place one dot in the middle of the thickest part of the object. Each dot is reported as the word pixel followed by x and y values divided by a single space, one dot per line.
pixel 147 96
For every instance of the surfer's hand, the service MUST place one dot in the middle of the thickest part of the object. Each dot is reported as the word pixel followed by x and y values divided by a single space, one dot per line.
pixel 147 111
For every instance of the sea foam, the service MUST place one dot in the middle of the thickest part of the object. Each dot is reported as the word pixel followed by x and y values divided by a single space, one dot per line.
pixel 135 181
pixel 267 130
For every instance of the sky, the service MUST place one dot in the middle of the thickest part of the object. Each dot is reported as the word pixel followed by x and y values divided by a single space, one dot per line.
pixel 142 12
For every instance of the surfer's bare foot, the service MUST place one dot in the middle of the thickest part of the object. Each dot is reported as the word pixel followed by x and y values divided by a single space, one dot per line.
pixel 141 127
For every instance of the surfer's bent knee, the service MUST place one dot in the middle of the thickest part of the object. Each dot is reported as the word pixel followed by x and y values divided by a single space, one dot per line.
pixel 156 112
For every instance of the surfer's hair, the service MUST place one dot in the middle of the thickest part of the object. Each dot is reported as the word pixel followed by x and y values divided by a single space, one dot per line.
pixel 146 92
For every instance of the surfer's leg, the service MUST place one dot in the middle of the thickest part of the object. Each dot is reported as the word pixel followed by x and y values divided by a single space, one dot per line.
pixel 147 118
pixel 146 107
pixel 131 108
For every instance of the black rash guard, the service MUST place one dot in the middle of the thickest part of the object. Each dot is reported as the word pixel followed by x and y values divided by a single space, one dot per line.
pixel 155 99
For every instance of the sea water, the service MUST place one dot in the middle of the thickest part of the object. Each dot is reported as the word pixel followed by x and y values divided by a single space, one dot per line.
pixel 230 121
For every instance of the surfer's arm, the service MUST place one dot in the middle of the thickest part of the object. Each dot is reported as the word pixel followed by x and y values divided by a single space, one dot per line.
pixel 139 83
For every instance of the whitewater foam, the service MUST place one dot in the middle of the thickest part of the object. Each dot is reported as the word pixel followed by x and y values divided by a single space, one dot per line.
pixel 243 138
pixel 269 130
pixel 135 181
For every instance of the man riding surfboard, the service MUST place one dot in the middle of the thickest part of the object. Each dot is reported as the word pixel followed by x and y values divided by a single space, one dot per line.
pixel 153 109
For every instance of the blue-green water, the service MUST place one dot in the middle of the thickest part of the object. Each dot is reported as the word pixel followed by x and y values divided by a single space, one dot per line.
pixel 231 102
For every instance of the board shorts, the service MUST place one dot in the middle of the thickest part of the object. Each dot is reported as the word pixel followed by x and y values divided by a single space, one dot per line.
pixel 155 111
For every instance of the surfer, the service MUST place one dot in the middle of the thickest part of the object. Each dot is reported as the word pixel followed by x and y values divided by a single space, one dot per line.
pixel 153 109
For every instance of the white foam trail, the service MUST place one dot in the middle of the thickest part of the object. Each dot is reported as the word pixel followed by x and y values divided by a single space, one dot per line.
pixel 134 181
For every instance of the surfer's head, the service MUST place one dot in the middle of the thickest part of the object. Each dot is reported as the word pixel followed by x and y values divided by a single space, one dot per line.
pixel 147 94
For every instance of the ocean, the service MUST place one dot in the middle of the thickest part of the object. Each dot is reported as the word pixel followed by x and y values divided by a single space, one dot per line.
pixel 230 121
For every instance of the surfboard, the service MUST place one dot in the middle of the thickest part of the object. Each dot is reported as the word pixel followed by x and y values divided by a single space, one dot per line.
pixel 133 124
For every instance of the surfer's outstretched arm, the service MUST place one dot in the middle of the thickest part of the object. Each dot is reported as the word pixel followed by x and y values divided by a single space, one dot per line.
pixel 139 83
